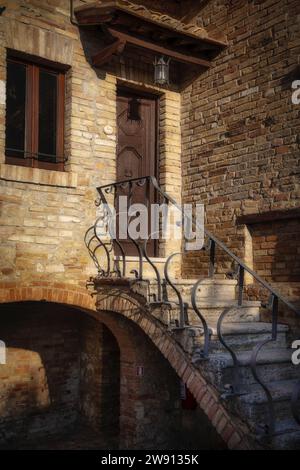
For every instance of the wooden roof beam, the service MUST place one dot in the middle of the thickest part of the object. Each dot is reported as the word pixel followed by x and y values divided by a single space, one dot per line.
pixel 177 56
pixel 104 56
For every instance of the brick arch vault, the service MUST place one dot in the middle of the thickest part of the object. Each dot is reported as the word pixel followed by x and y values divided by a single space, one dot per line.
pixel 117 313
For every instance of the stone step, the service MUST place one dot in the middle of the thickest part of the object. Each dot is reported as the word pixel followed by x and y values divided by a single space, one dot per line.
pixel 257 415
pixel 281 390
pixel 287 435
pixel 242 331
pixel 271 363
pixel 217 289
pixel 246 335
pixel 212 309
pixel 289 440
pixel 253 405
pixel 286 426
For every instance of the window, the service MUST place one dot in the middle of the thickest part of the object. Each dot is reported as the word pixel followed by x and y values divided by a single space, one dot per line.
pixel 34 114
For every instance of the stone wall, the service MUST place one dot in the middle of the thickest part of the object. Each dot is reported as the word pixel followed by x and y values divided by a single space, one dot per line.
pixel 39 385
pixel 62 371
pixel 44 214
pixel 240 128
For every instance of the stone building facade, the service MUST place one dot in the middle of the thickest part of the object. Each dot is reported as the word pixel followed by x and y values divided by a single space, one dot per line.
pixel 44 216
pixel 229 139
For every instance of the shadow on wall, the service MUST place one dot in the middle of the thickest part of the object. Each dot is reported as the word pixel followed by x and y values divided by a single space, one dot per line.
pixel 39 384
pixel 65 370
pixel 198 433
pixel 276 250
pixel 276 258
pixel 51 361
pixel 133 65
pixel 24 367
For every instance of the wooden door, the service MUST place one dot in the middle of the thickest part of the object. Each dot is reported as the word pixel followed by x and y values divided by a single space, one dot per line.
pixel 136 147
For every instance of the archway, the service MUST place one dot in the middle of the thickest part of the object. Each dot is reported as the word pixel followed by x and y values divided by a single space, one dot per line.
pixel 231 429
pixel 56 390
pixel 79 379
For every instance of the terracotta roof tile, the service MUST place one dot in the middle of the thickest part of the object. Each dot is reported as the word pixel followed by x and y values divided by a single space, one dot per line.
pixel 159 18
pixel 156 17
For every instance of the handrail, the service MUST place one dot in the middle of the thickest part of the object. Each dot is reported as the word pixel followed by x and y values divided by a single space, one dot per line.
pixel 232 390
pixel 229 252
pixel 218 242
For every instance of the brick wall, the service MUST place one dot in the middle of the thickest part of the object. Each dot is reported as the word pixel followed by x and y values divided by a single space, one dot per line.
pixel 39 385
pixel 62 369
pixel 240 128
pixel 100 378
pixel 276 249
pixel 44 214
pixel 65 369
pixel 150 413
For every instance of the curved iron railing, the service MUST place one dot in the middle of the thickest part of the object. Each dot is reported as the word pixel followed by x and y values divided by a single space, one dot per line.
pixel 112 268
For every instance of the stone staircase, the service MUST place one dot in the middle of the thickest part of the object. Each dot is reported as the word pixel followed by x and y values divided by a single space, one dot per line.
pixel 248 361
pixel 242 331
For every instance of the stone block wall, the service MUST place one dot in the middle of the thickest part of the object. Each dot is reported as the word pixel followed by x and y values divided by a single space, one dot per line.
pixel 240 129
pixel 44 214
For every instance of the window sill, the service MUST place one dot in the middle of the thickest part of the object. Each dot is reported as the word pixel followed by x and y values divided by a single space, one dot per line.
pixel 38 176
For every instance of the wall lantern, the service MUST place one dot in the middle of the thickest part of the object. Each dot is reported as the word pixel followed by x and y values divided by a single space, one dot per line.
pixel 162 71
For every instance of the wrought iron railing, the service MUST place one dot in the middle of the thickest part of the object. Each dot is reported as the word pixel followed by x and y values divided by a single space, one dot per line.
pixel 116 267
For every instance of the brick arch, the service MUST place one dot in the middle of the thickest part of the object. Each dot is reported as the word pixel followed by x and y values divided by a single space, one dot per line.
pixel 128 361
pixel 230 430
pixel 68 294
pixel 81 300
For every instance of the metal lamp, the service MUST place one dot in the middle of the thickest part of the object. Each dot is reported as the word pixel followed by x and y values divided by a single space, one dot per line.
pixel 162 71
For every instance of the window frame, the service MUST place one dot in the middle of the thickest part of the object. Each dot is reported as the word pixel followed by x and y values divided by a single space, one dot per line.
pixel 33 67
